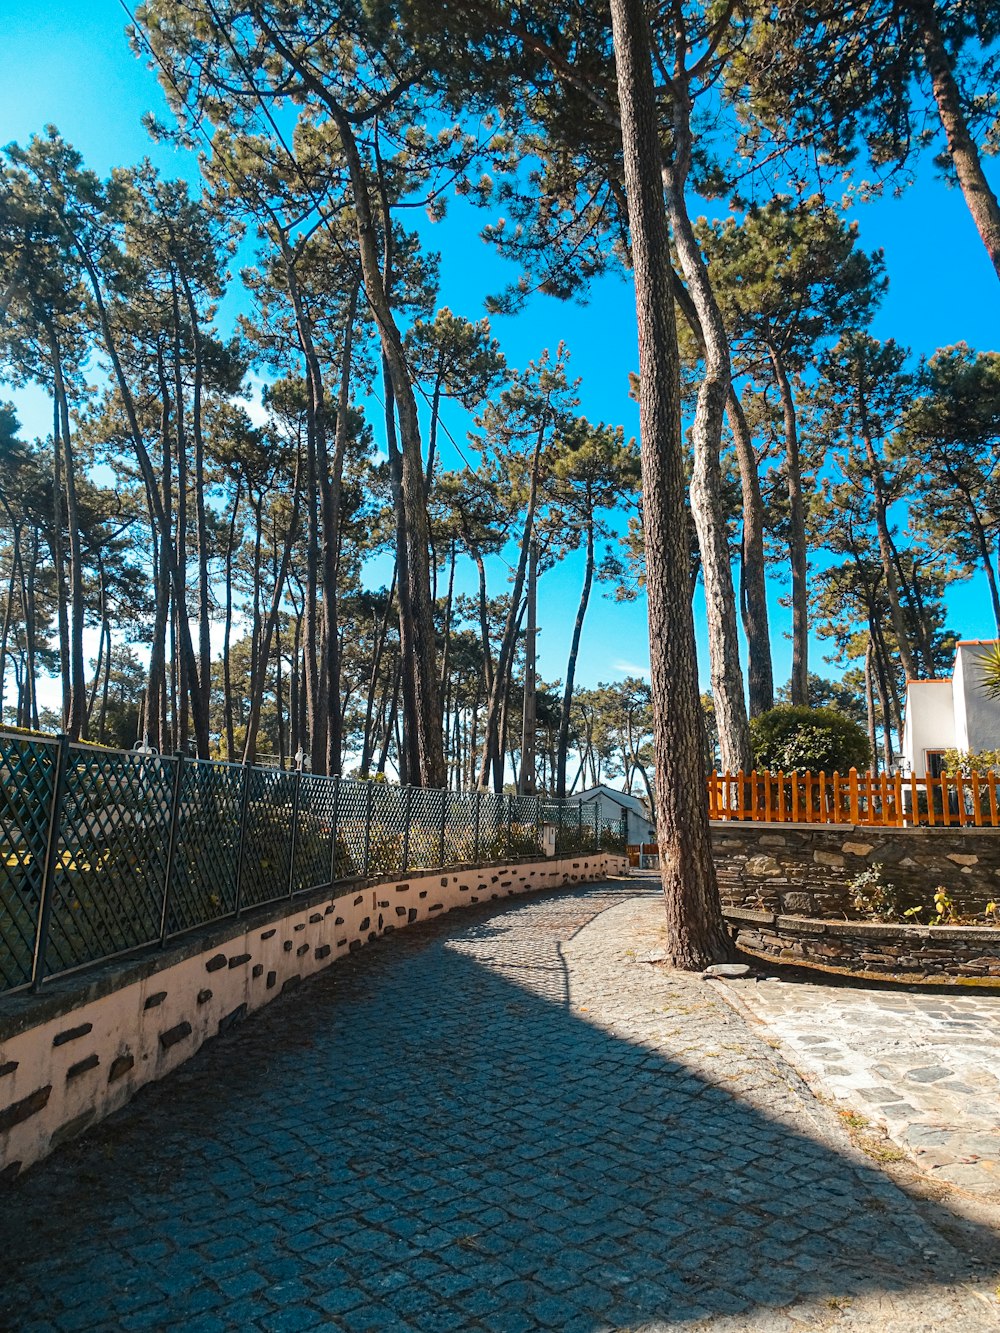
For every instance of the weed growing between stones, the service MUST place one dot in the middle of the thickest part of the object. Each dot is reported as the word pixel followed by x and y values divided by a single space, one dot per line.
pixel 877 899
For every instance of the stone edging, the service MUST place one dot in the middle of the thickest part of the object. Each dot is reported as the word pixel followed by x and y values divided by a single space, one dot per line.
pixel 871 950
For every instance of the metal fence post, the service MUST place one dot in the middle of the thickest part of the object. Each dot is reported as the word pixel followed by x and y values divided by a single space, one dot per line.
pixel 333 831
pixel 579 826
pixel 168 875
pixel 296 798
pixel 510 826
pixel 538 821
pixel 444 821
pixel 242 839
pixel 369 801
pixel 475 835
pixel 407 805
pixel 51 856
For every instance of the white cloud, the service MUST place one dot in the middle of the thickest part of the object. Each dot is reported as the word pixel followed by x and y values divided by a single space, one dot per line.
pixel 630 668
pixel 252 404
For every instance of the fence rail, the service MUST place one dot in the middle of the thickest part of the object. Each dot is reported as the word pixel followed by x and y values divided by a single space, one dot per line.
pixel 103 852
pixel 884 800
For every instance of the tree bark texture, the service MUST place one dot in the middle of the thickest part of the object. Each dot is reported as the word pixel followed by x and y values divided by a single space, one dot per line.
pixel 980 199
pixel 418 649
pixel 753 582
pixel 706 480
pixel 574 652
pixel 696 934
pixel 799 684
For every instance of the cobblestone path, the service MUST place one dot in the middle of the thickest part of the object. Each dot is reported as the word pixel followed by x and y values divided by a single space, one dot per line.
pixel 498 1121
pixel 924 1067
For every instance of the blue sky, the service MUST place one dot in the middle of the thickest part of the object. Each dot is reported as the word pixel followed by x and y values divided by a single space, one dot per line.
pixel 69 64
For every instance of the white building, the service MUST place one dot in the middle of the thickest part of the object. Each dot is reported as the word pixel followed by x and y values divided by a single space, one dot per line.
pixel 639 827
pixel 950 714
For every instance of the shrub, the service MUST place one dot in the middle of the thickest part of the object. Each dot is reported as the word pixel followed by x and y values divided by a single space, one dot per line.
pixel 972 761
pixel 794 737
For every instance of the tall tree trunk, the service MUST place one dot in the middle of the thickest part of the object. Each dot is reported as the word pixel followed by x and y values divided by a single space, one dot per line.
pixel 28 717
pixel 168 551
pixel 418 653
pixel 527 783
pixel 332 473
pixel 885 548
pixel 753 581
pixel 422 697
pixel 58 562
pixel 706 432
pixel 562 751
pixel 923 628
pixel 492 738
pixel 263 652
pixel 484 619
pixel 696 934
pixel 201 521
pixel 870 701
pixel 446 636
pixel 979 197
pixel 76 721
pixel 410 759
pixel 188 683
pixel 8 609
pixel 982 542
pixel 104 638
pixel 891 713
pixel 368 740
pixel 799 683
pixel 227 682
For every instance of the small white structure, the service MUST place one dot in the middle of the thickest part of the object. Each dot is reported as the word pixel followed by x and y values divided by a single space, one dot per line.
pixel 950 714
pixel 614 804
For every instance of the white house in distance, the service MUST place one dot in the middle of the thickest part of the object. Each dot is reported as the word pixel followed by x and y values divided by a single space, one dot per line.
pixel 950 714
pixel 639 828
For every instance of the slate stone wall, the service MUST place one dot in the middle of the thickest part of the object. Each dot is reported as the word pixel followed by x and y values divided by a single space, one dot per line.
pixel 807 869
pixel 949 955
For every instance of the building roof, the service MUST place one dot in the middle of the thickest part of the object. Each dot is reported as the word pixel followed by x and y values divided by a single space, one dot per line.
pixel 623 798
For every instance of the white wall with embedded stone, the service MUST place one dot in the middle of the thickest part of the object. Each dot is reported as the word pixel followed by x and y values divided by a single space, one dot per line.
pixel 82 1048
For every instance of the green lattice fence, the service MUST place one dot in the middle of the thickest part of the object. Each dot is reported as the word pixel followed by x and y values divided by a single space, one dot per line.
pixel 104 852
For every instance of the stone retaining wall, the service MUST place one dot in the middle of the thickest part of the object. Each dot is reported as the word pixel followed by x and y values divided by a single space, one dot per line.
pixel 80 1049
pixel 943 955
pixel 796 868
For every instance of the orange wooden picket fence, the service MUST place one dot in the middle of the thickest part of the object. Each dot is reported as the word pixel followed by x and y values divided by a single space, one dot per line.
pixel 887 800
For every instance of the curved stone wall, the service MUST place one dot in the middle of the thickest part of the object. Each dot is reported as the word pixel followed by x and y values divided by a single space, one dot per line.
pixel 83 1046
pixel 941 955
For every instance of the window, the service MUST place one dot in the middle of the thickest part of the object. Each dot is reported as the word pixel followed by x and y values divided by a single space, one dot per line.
pixel 935 763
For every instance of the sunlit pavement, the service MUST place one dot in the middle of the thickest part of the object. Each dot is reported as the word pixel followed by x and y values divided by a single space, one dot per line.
pixel 502 1120
pixel 924 1067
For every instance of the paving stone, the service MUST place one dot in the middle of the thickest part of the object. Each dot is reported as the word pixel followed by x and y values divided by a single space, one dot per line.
pixel 493 1122
pixel 915 1065
pixel 292 1319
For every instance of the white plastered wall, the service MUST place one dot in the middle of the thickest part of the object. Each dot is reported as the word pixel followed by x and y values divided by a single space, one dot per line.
pixel 930 721
pixel 977 716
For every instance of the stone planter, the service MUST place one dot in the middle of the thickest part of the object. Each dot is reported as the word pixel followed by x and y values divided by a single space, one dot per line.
pixel 871 950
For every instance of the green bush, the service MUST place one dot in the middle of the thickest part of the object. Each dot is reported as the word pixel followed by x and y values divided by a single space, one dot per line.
pixel 796 738
pixel 972 761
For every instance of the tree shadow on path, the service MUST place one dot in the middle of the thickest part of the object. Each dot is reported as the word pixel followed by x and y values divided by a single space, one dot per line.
pixel 457 1129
